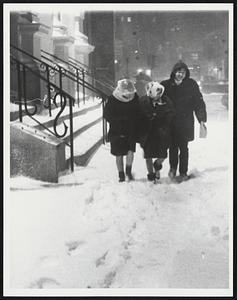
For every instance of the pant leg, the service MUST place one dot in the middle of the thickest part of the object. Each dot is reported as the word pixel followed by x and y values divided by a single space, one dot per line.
pixel 173 155
pixel 183 157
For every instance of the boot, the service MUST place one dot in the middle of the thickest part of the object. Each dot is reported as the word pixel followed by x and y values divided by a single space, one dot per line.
pixel 129 172
pixel 151 176
pixel 184 176
pixel 172 173
pixel 121 176
pixel 157 168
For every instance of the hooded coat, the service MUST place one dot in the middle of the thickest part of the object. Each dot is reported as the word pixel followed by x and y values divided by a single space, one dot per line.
pixel 155 129
pixel 187 99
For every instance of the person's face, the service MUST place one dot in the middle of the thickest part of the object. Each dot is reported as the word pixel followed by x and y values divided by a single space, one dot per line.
pixel 180 74
pixel 128 95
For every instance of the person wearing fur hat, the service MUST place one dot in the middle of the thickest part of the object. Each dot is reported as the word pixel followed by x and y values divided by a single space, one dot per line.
pixel 121 112
pixel 158 113
pixel 187 99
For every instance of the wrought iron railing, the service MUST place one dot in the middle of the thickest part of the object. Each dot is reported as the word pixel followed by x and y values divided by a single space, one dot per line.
pixel 80 72
pixel 106 83
pixel 27 65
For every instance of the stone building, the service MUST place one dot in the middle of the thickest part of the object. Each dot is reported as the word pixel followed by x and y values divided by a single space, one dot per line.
pixel 58 33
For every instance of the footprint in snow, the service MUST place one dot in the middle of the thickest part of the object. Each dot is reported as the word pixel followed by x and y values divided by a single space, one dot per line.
pixel 74 247
pixel 49 261
pixel 101 260
pixel 215 230
pixel 126 255
pixel 43 283
pixel 108 280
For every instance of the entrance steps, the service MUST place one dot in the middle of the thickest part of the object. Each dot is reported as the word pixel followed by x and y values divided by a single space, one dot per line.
pixel 87 129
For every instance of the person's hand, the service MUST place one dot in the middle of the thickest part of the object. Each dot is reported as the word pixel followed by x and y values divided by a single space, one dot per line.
pixel 202 130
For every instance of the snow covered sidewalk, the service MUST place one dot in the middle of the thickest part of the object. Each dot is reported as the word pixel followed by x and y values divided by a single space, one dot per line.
pixel 92 232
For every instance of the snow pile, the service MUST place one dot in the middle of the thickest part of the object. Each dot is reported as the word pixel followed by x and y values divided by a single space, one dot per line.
pixel 92 232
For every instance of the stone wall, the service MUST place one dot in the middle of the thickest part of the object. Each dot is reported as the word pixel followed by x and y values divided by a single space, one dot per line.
pixel 35 154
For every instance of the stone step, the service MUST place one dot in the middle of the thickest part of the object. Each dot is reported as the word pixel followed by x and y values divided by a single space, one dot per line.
pixel 48 121
pixel 86 144
pixel 62 118
pixel 81 123
pixel 87 128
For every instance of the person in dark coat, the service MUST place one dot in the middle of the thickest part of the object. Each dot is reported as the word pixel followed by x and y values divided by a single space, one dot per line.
pixel 158 113
pixel 187 99
pixel 121 112
pixel 141 81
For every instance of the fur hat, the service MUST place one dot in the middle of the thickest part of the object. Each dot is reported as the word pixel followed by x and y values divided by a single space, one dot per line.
pixel 125 90
pixel 154 89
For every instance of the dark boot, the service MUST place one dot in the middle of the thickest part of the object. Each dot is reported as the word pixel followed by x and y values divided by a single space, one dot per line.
pixel 157 168
pixel 172 173
pixel 129 172
pixel 151 176
pixel 184 177
pixel 121 176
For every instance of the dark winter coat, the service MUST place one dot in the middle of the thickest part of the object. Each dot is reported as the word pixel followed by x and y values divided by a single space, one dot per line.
pixel 155 127
pixel 123 119
pixel 187 99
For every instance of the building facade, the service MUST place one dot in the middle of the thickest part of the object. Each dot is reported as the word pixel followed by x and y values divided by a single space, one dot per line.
pixel 58 33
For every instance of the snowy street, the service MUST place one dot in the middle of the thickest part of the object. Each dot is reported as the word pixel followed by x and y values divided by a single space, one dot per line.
pixel 90 231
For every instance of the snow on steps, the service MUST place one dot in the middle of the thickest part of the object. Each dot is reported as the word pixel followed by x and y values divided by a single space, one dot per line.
pixel 87 128
pixel 86 144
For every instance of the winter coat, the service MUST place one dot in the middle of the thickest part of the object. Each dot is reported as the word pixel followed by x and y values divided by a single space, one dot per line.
pixel 155 126
pixel 123 118
pixel 187 99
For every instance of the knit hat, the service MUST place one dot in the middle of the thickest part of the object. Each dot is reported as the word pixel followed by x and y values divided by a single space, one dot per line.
pixel 125 90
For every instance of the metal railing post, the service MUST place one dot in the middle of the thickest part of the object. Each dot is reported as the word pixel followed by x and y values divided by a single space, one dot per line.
pixel 104 123
pixel 93 84
pixel 24 88
pixel 71 136
pixel 49 93
pixel 19 90
pixel 83 86
pixel 60 85
pixel 78 89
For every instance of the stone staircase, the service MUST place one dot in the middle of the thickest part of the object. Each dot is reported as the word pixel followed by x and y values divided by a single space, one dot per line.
pixel 87 129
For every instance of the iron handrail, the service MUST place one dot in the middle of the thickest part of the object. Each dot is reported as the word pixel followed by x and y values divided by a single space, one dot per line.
pixel 87 85
pixel 64 96
pixel 40 76
pixel 51 69
pixel 81 81
pixel 72 64
pixel 79 62
pixel 106 84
